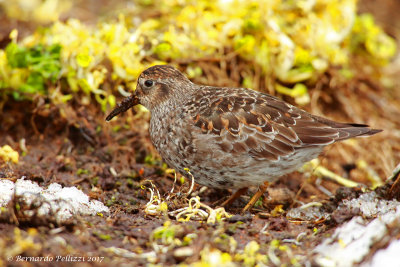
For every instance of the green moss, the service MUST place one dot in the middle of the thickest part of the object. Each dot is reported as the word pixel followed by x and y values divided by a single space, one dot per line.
pixel 82 171
pixel 41 64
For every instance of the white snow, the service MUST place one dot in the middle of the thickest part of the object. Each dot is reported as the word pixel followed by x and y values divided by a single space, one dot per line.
pixel 370 205
pixel 352 242
pixel 386 257
pixel 61 202
pixel 6 191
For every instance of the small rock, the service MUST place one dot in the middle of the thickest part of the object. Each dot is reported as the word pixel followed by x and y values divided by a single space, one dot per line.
pixel 279 196
pixel 239 218
pixel 183 252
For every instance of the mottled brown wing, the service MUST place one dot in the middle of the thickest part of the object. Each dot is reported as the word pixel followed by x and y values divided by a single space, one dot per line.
pixel 265 127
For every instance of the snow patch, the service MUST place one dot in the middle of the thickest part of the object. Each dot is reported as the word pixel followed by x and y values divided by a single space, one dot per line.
pixel 352 242
pixel 370 205
pixel 386 257
pixel 61 202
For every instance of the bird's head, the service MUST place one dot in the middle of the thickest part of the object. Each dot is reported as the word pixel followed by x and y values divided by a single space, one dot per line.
pixel 155 86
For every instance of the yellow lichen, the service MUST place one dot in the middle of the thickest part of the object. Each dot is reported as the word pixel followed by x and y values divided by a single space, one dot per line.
pixel 8 154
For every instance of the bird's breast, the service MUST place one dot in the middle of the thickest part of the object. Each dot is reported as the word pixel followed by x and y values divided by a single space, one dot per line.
pixel 172 138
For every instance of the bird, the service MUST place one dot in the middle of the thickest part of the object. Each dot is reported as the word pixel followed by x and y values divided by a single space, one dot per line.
pixel 230 138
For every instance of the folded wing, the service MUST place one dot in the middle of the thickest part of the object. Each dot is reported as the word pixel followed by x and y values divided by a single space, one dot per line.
pixel 265 127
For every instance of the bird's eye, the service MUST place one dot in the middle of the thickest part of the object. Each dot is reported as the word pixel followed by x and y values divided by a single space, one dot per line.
pixel 148 83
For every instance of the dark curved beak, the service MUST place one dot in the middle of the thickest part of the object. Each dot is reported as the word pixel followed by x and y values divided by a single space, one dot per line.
pixel 126 104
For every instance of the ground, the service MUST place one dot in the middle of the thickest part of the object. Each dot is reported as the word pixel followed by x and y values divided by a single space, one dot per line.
pixel 112 163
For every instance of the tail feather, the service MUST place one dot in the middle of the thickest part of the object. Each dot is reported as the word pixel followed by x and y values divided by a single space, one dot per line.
pixel 349 130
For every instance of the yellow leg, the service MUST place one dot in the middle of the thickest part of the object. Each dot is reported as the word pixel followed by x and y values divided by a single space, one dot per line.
pixel 256 196
pixel 234 196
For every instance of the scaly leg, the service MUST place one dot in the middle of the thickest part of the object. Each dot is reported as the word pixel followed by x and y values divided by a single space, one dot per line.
pixel 234 196
pixel 257 195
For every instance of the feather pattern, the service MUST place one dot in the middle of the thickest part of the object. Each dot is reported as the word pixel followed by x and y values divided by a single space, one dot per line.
pixel 262 126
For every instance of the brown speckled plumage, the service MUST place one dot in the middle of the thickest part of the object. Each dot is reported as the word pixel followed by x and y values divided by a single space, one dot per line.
pixel 230 137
